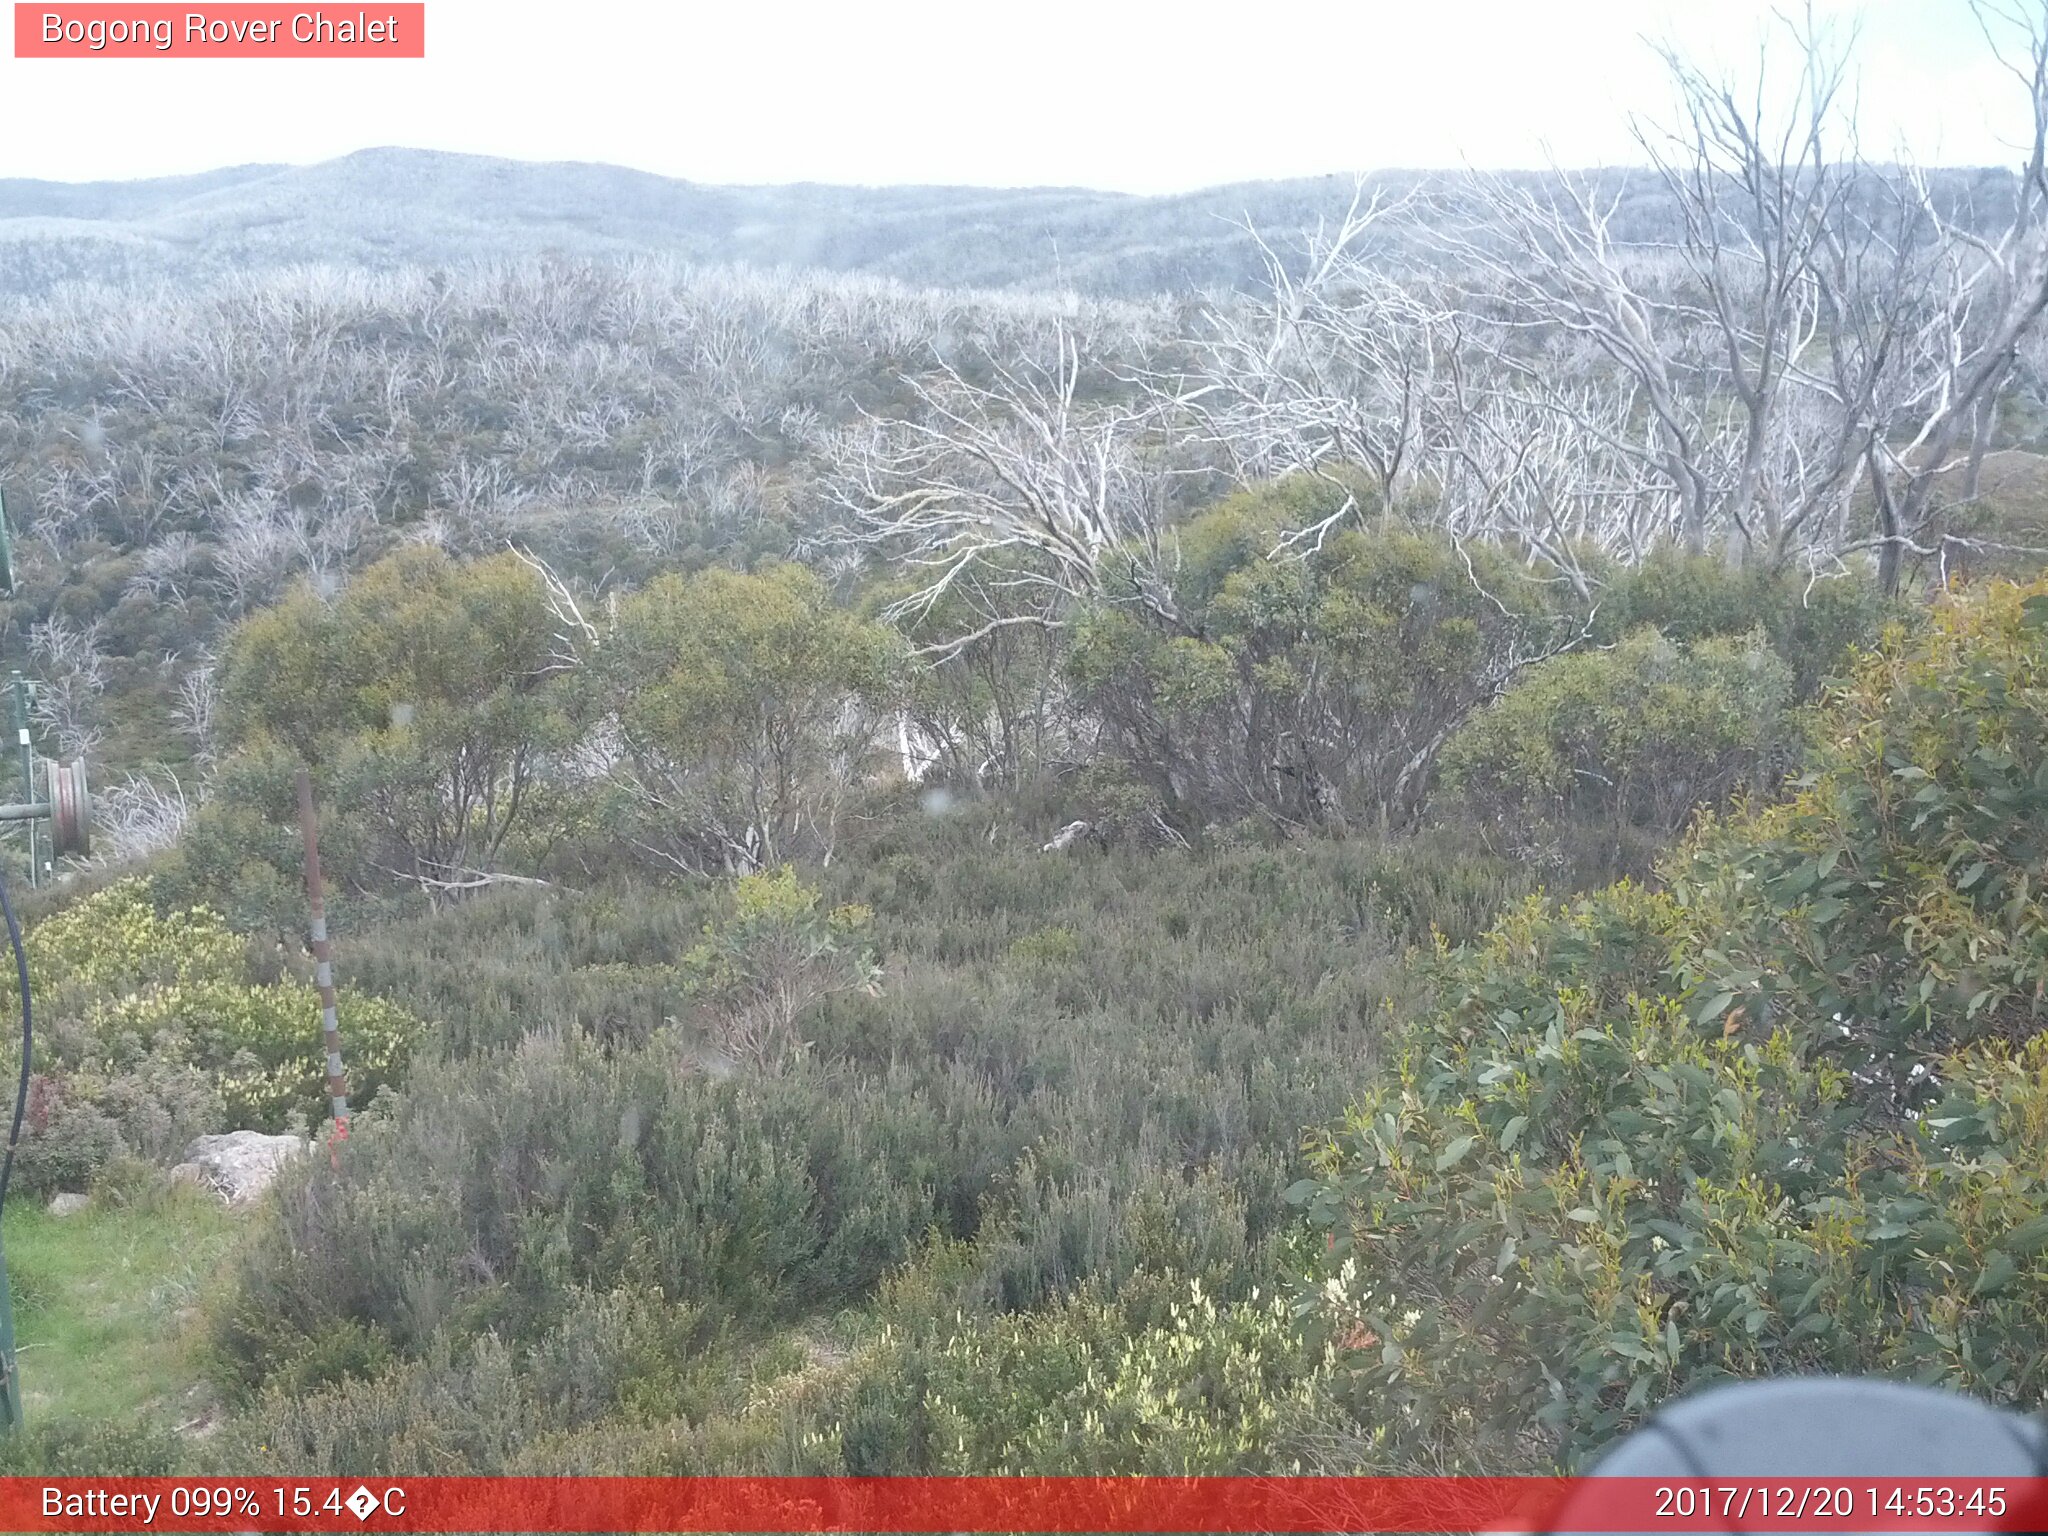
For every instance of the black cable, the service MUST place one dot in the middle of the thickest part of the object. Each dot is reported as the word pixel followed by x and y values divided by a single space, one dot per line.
pixel 28 1037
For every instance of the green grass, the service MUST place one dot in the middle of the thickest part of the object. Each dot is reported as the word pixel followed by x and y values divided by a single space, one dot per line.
pixel 106 1307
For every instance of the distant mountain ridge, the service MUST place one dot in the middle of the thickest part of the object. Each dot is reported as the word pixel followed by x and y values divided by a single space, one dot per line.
pixel 387 207
pixel 382 208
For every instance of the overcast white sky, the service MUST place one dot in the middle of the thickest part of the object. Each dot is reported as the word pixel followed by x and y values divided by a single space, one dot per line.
pixel 1133 95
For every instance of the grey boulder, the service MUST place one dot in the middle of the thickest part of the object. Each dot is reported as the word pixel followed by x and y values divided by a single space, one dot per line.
pixel 239 1165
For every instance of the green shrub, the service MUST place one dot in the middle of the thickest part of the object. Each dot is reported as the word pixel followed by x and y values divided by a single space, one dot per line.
pixel 1318 684
pixel 748 705
pixel 626 1383
pixel 1120 804
pixel 1083 1389
pixel 1783 1117
pixel 65 1448
pixel 64 1147
pixel 1057 945
pixel 241 852
pixel 152 1033
pixel 1891 905
pixel 493 1189
pixel 491 969
pixel 1638 735
pixel 1816 627
pixel 262 1046
pixel 115 943
pixel 773 957
pixel 427 698
pixel 160 1106
pixel 1315 687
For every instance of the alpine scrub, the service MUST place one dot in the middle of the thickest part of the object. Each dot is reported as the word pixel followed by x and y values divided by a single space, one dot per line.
pixel 1784 1115
pixel 152 1030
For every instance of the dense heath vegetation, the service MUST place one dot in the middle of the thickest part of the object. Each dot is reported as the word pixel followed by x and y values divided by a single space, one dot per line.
pixel 1380 874
pixel 921 1147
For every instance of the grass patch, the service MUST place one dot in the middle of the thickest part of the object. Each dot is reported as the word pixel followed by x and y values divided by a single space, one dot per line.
pixel 106 1307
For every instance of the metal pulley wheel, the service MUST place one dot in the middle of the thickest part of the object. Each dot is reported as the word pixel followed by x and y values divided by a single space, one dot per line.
pixel 70 807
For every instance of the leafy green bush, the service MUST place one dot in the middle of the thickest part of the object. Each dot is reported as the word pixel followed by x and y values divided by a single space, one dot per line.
pixel 1816 627
pixel 68 1448
pixel 1318 675
pixel 1639 735
pixel 64 1145
pixel 492 1189
pixel 1082 1389
pixel 262 1046
pixel 627 1358
pixel 116 942
pixel 1049 946
pixel 160 1106
pixel 492 969
pixel 152 1032
pixel 1891 903
pixel 1785 1116
pixel 240 854
pixel 426 695
pixel 1316 687
pixel 772 958
pixel 748 707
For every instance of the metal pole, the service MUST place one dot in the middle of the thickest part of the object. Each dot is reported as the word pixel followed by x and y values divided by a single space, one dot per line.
pixel 28 776
pixel 323 960
pixel 10 1364
pixel 10 1373
pixel 10 1377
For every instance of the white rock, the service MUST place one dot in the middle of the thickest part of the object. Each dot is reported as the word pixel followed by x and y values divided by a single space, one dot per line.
pixel 68 1205
pixel 238 1166
pixel 1069 835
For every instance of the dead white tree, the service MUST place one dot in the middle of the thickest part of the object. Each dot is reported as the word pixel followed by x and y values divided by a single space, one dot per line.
pixel 197 712
pixel 1957 333
pixel 258 544
pixel 1555 477
pixel 1335 367
pixel 1020 483
pixel 575 637
pixel 1760 190
pixel 1815 326
pixel 165 570
pixel 1552 270
pixel 142 815
pixel 71 675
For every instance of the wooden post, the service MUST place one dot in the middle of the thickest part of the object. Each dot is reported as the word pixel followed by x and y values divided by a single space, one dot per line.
pixel 323 959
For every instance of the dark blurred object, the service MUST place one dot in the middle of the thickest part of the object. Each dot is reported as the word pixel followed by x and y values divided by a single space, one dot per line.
pixel 1832 1427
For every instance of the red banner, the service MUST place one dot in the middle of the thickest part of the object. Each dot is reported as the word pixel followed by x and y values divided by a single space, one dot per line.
pixel 1023 1504
pixel 223 31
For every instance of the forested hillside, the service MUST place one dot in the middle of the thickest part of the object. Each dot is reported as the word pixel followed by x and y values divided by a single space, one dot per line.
pixel 388 209
pixel 385 210
pixel 1375 846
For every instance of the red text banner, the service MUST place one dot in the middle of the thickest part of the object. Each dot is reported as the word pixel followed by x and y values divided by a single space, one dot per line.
pixel 1022 1504
pixel 224 31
